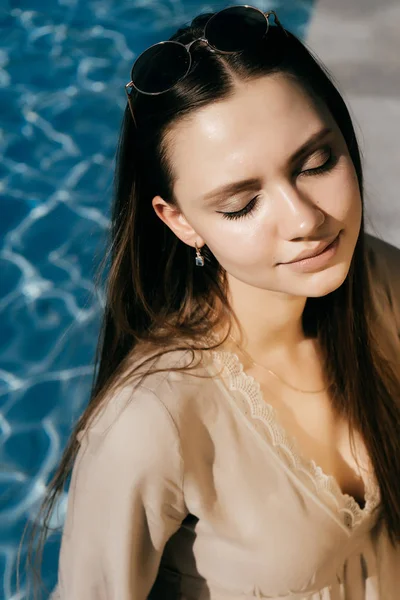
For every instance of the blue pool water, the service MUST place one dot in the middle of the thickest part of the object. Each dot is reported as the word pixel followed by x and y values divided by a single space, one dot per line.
pixel 63 66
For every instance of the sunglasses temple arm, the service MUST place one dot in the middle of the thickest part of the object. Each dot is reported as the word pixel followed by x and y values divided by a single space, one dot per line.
pixel 277 21
pixel 128 87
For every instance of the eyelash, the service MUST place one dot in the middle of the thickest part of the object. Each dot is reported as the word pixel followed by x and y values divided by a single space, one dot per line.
pixel 328 164
pixel 243 212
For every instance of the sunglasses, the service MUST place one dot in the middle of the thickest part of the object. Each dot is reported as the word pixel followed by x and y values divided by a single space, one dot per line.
pixel 159 68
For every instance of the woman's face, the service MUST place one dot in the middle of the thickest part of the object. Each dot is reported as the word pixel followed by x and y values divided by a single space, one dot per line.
pixel 247 192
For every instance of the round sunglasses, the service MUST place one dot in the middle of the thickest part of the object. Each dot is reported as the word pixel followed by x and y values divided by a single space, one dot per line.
pixel 159 68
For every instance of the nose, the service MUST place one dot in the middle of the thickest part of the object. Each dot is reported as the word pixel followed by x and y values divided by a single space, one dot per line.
pixel 298 215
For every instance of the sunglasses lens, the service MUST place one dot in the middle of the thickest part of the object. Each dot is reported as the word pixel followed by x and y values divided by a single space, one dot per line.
pixel 235 28
pixel 160 67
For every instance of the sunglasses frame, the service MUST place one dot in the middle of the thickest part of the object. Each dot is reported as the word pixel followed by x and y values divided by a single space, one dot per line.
pixel 129 87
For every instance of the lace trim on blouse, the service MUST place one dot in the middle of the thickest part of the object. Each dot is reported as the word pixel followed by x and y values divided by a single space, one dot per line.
pixel 263 415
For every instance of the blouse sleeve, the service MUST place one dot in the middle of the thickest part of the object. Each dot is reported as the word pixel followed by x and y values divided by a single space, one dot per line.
pixel 125 501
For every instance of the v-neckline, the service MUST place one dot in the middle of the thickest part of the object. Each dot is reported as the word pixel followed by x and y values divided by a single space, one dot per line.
pixel 265 420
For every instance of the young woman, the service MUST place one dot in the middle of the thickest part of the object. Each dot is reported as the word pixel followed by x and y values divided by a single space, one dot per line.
pixel 242 439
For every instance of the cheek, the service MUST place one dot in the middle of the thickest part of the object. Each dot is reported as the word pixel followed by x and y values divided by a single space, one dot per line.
pixel 243 243
pixel 342 199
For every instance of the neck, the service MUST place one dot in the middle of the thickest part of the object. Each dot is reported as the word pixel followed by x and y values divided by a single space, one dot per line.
pixel 270 322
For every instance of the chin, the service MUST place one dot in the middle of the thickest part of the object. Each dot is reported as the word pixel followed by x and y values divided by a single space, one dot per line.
pixel 327 281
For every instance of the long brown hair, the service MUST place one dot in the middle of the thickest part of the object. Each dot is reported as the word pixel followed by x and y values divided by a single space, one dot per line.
pixel 156 297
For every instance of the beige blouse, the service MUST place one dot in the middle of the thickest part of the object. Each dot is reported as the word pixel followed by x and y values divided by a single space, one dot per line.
pixel 188 488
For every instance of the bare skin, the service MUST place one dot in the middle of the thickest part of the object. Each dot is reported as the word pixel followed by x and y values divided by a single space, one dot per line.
pixel 319 434
pixel 253 136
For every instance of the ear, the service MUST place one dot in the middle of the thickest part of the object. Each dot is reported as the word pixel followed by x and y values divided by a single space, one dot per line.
pixel 176 221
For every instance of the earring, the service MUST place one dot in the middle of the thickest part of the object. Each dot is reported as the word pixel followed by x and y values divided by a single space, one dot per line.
pixel 199 258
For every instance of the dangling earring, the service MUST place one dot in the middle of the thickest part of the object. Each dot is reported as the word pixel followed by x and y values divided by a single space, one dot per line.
pixel 199 258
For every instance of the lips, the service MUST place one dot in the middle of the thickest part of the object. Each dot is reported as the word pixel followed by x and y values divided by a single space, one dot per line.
pixel 310 253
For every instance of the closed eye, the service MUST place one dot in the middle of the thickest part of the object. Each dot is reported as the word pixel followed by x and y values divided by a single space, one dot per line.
pixel 243 211
pixel 326 166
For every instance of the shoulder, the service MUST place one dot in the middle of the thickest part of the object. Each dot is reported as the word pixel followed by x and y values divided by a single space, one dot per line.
pixel 184 385
pixel 127 423
pixel 384 266
pixel 156 395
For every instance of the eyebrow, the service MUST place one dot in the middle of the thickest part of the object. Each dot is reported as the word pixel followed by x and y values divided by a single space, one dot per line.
pixel 246 184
